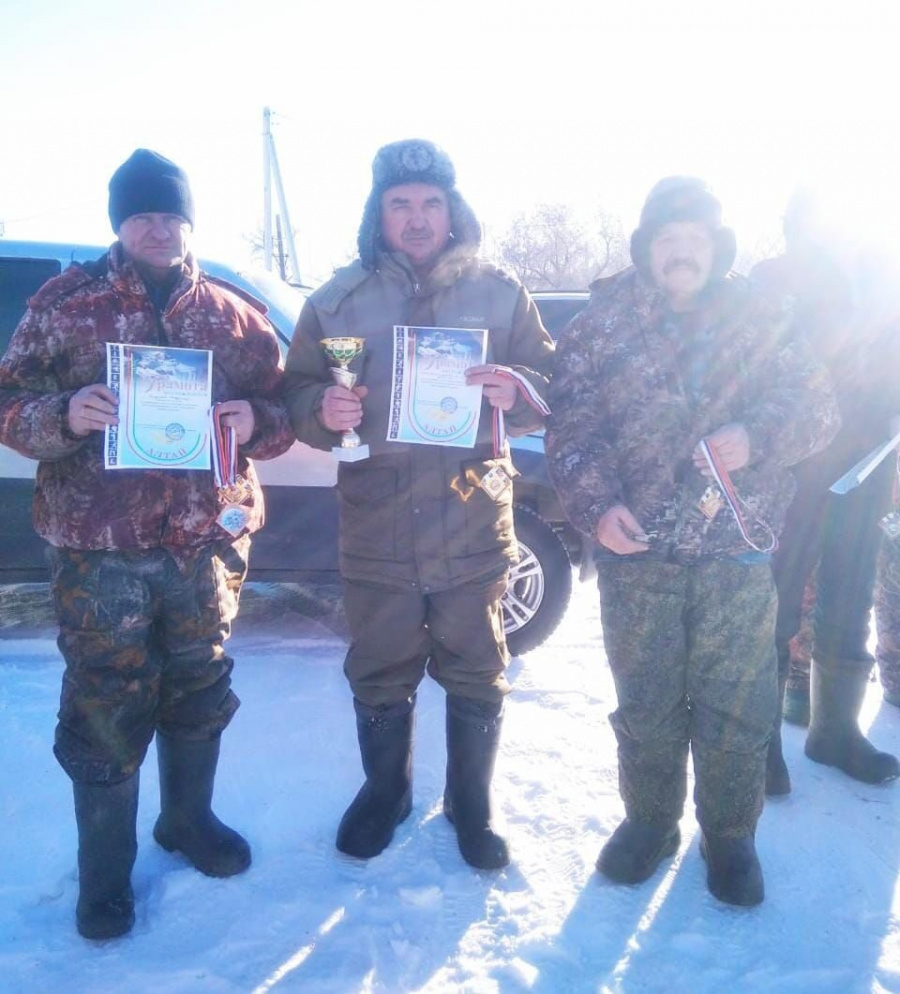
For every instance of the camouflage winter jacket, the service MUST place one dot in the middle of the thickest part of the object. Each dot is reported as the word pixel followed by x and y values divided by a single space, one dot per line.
pixel 59 347
pixel 415 514
pixel 636 388
pixel 855 332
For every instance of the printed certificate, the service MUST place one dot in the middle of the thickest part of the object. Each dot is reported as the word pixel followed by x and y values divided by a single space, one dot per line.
pixel 164 399
pixel 431 404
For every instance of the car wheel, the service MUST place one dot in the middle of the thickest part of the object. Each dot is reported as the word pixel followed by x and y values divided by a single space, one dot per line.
pixel 540 584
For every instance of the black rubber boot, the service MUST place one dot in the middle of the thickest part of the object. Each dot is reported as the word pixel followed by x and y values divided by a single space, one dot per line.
pixel 473 737
pixel 106 815
pixel 187 773
pixel 834 737
pixel 778 780
pixel 385 799
pixel 733 873
pixel 635 849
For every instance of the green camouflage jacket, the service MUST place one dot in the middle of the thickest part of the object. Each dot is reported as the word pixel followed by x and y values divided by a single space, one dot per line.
pixel 636 388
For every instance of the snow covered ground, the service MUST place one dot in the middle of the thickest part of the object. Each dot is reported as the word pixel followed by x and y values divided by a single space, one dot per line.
pixel 305 918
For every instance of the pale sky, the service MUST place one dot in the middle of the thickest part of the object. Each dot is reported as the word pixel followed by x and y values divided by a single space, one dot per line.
pixel 583 102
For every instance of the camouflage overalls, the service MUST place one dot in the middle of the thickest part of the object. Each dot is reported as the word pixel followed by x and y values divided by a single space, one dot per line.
pixel 145 581
pixel 688 625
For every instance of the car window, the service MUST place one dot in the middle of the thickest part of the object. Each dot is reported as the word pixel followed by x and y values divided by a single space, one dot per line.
pixel 556 313
pixel 19 280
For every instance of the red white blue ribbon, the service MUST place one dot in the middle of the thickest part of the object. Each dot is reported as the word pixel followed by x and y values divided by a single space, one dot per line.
pixel 224 449
pixel 532 397
pixel 720 475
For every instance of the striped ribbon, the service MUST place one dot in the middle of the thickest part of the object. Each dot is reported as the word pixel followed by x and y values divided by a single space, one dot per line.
pixel 720 475
pixel 224 449
pixel 532 397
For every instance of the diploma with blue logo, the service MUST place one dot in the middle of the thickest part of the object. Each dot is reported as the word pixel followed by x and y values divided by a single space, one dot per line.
pixel 164 399
pixel 431 403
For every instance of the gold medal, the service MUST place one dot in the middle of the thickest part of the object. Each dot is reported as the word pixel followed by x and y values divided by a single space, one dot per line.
pixel 711 502
pixel 236 493
pixel 495 481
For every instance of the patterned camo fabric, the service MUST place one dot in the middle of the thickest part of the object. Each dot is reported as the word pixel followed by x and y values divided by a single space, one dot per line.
pixel 143 643
pixel 692 651
pixel 635 390
pixel 59 347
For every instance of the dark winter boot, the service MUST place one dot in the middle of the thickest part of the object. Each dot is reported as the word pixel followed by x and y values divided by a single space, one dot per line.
pixel 635 850
pixel 796 699
pixel 733 873
pixel 187 772
pixel 473 737
pixel 778 780
pixel 834 737
pixel 106 815
pixel 385 799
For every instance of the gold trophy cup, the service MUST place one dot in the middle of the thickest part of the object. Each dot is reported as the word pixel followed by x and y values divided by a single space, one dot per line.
pixel 340 352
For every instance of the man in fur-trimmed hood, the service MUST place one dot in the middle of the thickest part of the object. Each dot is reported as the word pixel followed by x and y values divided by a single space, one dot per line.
pixel 426 530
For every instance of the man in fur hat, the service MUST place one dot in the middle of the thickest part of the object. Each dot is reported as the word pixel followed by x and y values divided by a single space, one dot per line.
pixel 426 530
pixel 673 385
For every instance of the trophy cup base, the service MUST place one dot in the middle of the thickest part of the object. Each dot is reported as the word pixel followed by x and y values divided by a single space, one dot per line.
pixel 354 453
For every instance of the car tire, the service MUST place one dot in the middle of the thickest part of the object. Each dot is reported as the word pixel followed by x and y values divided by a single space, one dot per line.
pixel 540 585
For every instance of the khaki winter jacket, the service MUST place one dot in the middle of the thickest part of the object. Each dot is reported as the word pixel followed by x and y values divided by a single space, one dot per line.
pixel 636 388
pixel 59 347
pixel 414 514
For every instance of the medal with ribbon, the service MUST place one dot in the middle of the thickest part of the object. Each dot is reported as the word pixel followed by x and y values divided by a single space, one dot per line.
pixel 730 496
pixel 233 490
pixel 526 390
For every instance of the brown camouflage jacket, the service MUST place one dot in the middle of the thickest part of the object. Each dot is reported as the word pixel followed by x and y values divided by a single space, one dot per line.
pixel 59 347
pixel 636 388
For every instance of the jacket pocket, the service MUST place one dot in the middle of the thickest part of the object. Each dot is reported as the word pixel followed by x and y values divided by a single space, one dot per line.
pixel 367 499
pixel 487 521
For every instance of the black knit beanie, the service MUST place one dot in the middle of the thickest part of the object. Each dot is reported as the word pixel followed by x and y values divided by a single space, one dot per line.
pixel 414 160
pixel 148 182
pixel 682 198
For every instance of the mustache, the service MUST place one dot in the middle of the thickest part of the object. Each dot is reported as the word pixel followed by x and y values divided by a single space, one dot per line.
pixel 678 263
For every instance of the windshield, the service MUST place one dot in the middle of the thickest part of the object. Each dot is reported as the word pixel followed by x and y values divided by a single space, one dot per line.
pixel 283 301
pixel 277 293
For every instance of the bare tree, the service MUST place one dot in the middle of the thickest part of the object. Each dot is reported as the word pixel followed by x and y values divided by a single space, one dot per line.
pixel 279 249
pixel 552 248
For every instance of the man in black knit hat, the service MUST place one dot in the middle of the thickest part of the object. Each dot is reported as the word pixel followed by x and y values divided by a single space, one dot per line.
pixel 678 403
pixel 145 574
pixel 426 530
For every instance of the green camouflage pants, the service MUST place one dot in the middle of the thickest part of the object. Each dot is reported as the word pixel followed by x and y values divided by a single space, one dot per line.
pixel 692 652
pixel 143 644
pixel 887 617
pixel 456 633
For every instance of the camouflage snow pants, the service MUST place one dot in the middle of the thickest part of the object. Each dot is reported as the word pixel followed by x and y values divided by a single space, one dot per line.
pixel 143 643
pixel 887 617
pixel 692 652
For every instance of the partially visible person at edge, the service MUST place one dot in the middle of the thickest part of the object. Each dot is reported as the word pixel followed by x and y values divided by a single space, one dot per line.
pixel 667 354
pixel 887 605
pixel 424 547
pixel 839 309
pixel 145 581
